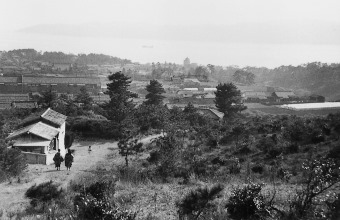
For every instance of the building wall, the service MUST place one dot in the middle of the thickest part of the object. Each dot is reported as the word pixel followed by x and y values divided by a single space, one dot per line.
pixel 59 88
pixel 34 158
pixel 49 157
pixel 62 139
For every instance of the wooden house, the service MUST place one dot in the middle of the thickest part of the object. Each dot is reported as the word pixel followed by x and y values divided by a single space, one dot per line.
pixel 41 137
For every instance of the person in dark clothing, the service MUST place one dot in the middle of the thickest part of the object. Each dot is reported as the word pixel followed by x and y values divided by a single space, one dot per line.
pixel 58 159
pixel 68 159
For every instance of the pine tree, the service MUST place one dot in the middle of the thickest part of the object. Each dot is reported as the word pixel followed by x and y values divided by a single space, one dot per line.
pixel 129 147
pixel 120 105
pixel 228 99
pixel 155 89
pixel 84 98
pixel 48 98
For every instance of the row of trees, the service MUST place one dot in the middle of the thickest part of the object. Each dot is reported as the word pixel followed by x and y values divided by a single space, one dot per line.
pixel 60 57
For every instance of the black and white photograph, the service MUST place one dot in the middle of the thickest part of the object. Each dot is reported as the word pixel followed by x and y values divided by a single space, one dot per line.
pixel 169 110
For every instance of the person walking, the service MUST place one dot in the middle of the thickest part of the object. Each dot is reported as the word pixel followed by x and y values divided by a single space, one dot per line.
pixel 68 159
pixel 58 159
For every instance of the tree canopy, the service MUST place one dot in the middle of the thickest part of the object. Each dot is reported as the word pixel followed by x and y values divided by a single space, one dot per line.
pixel 155 89
pixel 120 105
pixel 228 99
pixel 244 77
pixel 84 97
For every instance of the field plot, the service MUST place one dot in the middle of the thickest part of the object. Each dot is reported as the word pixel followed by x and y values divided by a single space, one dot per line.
pixel 311 106
pixel 279 110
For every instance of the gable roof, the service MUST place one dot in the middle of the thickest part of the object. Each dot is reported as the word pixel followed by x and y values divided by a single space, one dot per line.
pixel 53 117
pixel 210 113
pixel 284 94
pixel 38 129
pixel 50 80
pixel 31 143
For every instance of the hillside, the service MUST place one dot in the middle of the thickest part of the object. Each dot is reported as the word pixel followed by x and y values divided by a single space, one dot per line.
pixel 312 78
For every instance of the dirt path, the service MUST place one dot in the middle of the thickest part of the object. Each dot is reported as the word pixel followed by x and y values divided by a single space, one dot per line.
pixel 12 195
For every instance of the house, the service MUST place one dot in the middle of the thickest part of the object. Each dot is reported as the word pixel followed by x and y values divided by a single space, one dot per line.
pixel 283 96
pixel 9 98
pixel 210 90
pixel 30 84
pixel 211 113
pixel 185 93
pixel 101 98
pixel 62 66
pixel 256 96
pixel 41 137
pixel 316 98
pixel 192 82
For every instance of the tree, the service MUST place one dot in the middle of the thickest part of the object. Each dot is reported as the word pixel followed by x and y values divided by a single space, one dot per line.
pixel 198 202
pixel 12 161
pixel 228 99
pixel 202 72
pixel 151 116
pixel 48 98
pixel 129 146
pixel 84 97
pixel 155 89
pixel 120 105
pixel 245 77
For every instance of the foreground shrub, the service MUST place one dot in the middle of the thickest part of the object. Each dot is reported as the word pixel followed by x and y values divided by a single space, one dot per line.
pixel 198 202
pixel 246 203
pixel 94 203
pixel 12 162
pixel 257 169
pixel 320 176
pixel 44 192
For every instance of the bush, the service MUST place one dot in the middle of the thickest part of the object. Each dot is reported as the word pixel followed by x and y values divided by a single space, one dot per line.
pixel 198 202
pixel 212 142
pixel 257 169
pixel 43 192
pixel 292 149
pixel 12 162
pixel 334 208
pixel 273 153
pixel 92 127
pixel 246 202
pixel 320 176
pixel 93 203
pixel 334 152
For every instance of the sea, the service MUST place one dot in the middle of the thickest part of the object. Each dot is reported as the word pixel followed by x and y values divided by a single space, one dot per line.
pixel 200 52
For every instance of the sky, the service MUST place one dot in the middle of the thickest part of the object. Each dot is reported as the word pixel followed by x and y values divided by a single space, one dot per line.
pixel 229 23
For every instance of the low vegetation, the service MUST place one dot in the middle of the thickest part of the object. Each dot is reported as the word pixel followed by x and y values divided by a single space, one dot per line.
pixel 245 166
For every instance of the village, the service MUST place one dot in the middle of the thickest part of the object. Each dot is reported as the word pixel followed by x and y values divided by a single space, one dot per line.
pixel 143 138
pixel 22 81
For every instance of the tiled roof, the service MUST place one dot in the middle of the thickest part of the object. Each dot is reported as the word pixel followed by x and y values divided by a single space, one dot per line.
pixel 54 117
pixel 284 94
pixel 52 80
pixel 5 79
pixel 5 105
pixel 260 95
pixel 191 80
pixel 62 80
pixel 26 143
pixel 8 98
pixel 101 98
pixel 39 129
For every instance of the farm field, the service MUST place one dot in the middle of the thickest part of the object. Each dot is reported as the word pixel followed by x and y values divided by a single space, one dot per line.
pixel 257 108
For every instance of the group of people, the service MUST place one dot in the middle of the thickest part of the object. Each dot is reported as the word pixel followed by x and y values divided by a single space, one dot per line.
pixel 58 159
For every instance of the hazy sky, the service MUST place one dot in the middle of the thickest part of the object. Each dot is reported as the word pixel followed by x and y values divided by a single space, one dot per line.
pixel 313 22
pixel 17 14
